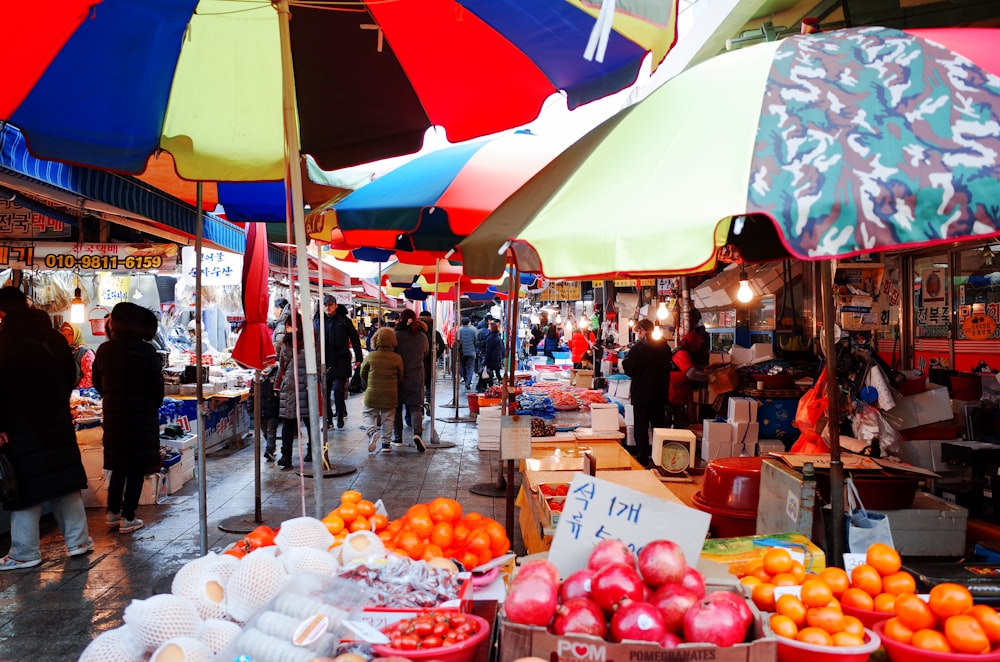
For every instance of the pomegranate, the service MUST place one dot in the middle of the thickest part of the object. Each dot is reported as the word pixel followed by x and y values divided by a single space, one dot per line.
pixel 580 615
pixel 538 567
pixel 695 581
pixel 661 562
pixel 610 551
pixel 671 640
pixel 612 583
pixel 738 601
pixel 637 620
pixel 673 601
pixel 577 585
pixel 715 622
pixel 531 601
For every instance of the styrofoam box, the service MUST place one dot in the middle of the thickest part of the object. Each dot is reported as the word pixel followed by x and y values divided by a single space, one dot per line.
pixel 931 406
pixel 745 435
pixel 177 477
pixel 930 527
pixel 180 443
pixel 604 416
pixel 925 453
pixel 713 450
pixel 716 431
pixel 490 412
pixel 743 410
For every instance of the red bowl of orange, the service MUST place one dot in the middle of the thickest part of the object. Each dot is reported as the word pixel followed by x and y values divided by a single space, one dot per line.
pixel 897 651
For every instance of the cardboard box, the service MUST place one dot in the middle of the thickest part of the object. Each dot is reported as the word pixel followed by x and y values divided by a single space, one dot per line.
pixel 713 450
pixel 743 410
pixel 931 527
pixel 518 641
pixel 604 417
pixel 931 406
pixel 716 431
pixel 581 378
pixel 756 353
pixel 745 437
pixel 737 553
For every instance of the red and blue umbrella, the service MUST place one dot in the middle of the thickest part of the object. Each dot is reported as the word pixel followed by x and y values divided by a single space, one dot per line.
pixel 254 347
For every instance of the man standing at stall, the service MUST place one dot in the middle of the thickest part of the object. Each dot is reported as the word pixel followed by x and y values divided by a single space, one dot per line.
pixel 648 364
pixel 340 335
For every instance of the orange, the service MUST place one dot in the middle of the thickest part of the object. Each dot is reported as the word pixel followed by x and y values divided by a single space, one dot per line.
pixel 468 560
pixel 350 496
pixel 472 519
pixel 930 640
pixel 883 558
pixel 898 583
pixel 950 599
pixel 798 571
pixel 784 579
pixel 816 593
pixel 966 635
pixel 366 507
pixel 499 544
pixel 410 544
pixel 347 511
pixel 760 574
pixel 385 535
pixel 418 508
pixel 461 532
pixel 420 523
pixel 989 619
pixel 360 523
pixel 334 523
pixel 790 606
pixel 395 526
pixel 895 630
pixel 836 579
pixel 814 636
pixel 443 534
pixel 783 626
pixel 867 578
pixel 827 619
pixel 847 639
pixel 854 625
pixel 885 603
pixel 443 509
pixel 914 613
pixel 855 597
pixel 763 596
pixel 431 551
pixel 750 581
pixel 777 560
pixel 380 521
pixel 478 542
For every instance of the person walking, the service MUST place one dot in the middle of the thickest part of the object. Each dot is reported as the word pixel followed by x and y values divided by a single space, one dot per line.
pixel 129 377
pixel 270 408
pixel 339 337
pixel 430 368
pixel 495 352
pixel 648 364
pixel 466 339
pixel 550 344
pixel 382 371
pixel 36 431
pixel 411 344
pixel 82 355
pixel 293 399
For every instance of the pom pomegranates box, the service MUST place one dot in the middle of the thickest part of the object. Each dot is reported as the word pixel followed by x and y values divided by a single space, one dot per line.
pixel 518 641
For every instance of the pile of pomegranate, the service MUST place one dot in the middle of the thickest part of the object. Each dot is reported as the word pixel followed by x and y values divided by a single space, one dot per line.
pixel 653 596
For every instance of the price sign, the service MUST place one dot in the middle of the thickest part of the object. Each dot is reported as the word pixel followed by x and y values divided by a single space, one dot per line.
pixel 596 509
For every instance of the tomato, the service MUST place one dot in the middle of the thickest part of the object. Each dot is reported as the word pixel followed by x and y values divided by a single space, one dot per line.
pixel 262 536
pixel 408 642
pixel 422 628
pixel 433 641
pixel 441 629
pixel 562 489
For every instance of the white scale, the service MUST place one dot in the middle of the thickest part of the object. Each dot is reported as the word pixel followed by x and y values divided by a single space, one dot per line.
pixel 674 454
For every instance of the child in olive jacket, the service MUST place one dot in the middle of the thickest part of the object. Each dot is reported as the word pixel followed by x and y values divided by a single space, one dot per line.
pixel 382 371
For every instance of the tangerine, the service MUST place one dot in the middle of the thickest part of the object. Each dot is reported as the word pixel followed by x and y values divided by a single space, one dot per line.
pixel 479 541
pixel 386 536
pixel 899 582
pixel 867 578
pixel 896 630
pixel 760 574
pixel 360 523
pixel 347 511
pixel 798 571
pixel 432 551
pixel 469 560
pixel 854 625
pixel 410 544
pixel 783 626
pixel 845 639
pixel 379 521
pixel 784 579
pixel 930 640
pixel 914 613
pixel 814 636
pixel 763 596
pixel 836 579
pixel 750 581
pixel 499 543
pixel 883 558
pixel 816 593
pixel 989 619
pixel 949 599
pixel 790 606
pixel 443 509
pixel 420 523
pixel 885 603
pixel 827 619
pixel 855 597
pixel 443 534
pixel 350 496
pixel 461 532
pixel 777 560
pixel 966 635
pixel 366 507
pixel 334 523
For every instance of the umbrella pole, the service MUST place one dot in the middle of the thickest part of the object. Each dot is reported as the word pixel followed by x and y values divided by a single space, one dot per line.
pixel 836 547
pixel 199 393
pixel 380 294
pixel 242 523
pixel 509 383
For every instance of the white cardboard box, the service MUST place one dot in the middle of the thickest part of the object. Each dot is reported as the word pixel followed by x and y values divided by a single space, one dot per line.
pixel 604 416
pixel 743 410
pixel 930 527
pixel 931 406
pixel 713 450
pixel 744 437
pixel 716 431
pixel 619 389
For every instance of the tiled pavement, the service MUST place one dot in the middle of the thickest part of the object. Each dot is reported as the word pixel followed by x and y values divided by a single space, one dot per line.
pixel 53 611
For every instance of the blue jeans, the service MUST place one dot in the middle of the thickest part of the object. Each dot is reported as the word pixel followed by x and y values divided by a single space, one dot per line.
pixel 70 516
pixel 468 369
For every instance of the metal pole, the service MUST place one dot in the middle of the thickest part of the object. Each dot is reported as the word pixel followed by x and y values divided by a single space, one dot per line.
pixel 836 547
pixel 257 515
pixel 434 358
pixel 199 393
pixel 294 178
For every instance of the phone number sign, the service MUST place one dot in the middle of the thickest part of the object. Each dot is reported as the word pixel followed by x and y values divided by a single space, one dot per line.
pixel 62 256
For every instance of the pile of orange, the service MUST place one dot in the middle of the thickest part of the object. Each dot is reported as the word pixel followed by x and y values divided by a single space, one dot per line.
pixel 876 583
pixel 439 529
pixel 947 623
pixel 353 514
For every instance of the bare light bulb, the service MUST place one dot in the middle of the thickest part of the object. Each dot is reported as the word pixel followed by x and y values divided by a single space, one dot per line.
pixel 657 332
pixel 744 294
pixel 534 319
pixel 661 311
pixel 631 323
pixel 584 324
pixel 77 309
pixel 559 318
pixel 569 328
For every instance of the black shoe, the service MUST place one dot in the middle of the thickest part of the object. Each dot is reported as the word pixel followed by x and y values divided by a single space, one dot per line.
pixel 269 456
pixel 285 463
pixel 340 422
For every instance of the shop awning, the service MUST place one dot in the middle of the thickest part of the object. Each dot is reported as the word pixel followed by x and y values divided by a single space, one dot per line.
pixel 134 198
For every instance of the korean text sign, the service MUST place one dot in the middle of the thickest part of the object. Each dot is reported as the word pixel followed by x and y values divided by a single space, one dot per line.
pixel 596 509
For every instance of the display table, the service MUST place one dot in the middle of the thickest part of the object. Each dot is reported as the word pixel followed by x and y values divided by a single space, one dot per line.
pixel 228 416
pixel 567 455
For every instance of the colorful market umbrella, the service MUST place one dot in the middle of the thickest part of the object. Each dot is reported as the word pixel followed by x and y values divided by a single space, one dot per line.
pixel 851 141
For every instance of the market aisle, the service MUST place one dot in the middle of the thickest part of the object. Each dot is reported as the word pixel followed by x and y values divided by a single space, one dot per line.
pixel 53 612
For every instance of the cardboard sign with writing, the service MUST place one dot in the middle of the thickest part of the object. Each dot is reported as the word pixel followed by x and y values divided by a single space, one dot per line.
pixel 596 509
pixel 515 437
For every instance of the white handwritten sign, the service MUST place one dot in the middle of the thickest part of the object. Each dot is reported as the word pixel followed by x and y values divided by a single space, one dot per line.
pixel 596 509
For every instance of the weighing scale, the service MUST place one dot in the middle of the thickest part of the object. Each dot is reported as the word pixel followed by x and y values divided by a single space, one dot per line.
pixel 674 454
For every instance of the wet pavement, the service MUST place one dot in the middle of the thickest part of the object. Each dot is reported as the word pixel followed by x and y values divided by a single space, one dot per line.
pixel 51 612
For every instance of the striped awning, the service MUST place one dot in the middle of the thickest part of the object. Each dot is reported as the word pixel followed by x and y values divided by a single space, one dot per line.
pixel 134 197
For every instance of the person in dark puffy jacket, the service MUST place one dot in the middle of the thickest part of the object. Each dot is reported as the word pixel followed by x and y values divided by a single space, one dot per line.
pixel 495 351
pixel 37 373
pixel 340 336
pixel 128 375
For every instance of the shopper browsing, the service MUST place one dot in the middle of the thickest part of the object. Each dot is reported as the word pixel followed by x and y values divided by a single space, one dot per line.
pixel 411 345
pixel 82 355
pixel 467 350
pixel 382 371
pixel 339 337
pixel 648 364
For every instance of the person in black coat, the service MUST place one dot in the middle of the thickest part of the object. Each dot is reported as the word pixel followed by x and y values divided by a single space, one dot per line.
pixel 495 352
pixel 340 336
pixel 269 410
pixel 128 375
pixel 37 375
pixel 648 363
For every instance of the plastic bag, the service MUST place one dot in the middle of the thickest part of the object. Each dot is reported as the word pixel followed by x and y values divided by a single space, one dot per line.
pixel 356 385
pixel 869 423
pixel 813 406
pixel 9 489
pixel 864 528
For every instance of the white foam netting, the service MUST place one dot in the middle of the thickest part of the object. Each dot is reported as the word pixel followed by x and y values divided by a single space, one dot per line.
pixel 207 592
pixel 308 559
pixel 257 579
pixel 225 565
pixel 188 573
pixel 217 634
pixel 182 649
pixel 303 532
pixel 160 617
pixel 116 645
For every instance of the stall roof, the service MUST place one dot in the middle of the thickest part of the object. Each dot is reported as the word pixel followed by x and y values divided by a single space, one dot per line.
pixel 115 194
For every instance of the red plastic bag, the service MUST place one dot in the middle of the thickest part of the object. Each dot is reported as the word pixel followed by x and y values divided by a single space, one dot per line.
pixel 812 406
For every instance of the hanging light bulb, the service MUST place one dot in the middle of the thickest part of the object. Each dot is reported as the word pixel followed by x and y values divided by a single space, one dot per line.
pixel 77 309
pixel 661 311
pixel 657 332
pixel 558 318
pixel 584 323
pixel 569 328
pixel 631 323
pixel 534 318
pixel 744 294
